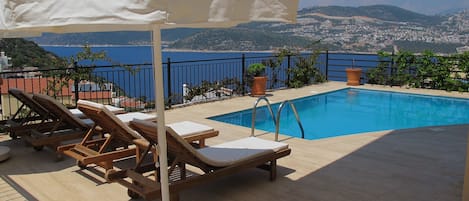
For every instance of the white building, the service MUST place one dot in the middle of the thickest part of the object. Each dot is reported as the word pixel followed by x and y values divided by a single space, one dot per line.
pixel 4 61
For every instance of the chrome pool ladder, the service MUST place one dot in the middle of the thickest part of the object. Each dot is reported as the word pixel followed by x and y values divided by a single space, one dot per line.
pixel 253 122
pixel 275 120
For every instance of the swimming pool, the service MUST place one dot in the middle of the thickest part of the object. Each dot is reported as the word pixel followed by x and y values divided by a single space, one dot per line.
pixel 350 111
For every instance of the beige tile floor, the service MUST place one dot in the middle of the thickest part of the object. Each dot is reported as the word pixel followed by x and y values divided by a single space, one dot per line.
pixel 413 164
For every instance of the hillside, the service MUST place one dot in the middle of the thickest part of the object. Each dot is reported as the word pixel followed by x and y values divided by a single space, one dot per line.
pixel 365 28
pixel 382 12
pixel 238 39
pixel 25 53
pixel 112 38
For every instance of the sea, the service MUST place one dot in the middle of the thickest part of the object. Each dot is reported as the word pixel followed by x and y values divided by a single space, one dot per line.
pixel 143 55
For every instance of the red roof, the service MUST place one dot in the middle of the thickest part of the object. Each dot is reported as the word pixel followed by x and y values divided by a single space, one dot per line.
pixel 94 95
pixel 31 85
pixel 132 103
pixel 39 85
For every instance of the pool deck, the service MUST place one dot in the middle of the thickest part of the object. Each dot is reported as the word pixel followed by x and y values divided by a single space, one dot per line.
pixel 412 164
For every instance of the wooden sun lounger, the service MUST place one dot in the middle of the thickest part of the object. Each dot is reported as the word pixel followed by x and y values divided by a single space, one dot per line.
pixel 215 162
pixel 115 144
pixel 65 125
pixel 103 151
pixel 36 117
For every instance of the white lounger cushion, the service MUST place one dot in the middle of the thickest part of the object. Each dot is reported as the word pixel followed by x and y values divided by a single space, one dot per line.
pixel 115 110
pixel 188 128
pixel 127 117
pixel 228 153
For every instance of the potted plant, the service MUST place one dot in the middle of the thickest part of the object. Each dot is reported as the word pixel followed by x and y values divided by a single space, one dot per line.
pixel 353 75
pixel 257 78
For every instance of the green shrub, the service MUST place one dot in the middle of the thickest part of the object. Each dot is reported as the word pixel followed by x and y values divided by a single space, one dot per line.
pixel 305 71
pixel 256 70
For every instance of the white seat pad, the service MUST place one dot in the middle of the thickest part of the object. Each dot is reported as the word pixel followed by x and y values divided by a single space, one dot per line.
pixel 243 149
pixel 115 110
pixel 127 117
pixel 188 128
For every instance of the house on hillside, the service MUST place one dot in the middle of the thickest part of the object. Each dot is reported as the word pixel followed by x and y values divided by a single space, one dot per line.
pixel 97 92
pixel 8 71
pixel 4 61
pixel 101 93
pixel 129 103
pixel 462 49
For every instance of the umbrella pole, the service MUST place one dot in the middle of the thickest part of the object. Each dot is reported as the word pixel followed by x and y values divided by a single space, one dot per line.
pixel 159 98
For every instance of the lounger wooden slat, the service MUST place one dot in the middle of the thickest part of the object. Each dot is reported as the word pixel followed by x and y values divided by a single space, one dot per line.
pixel 90 159
pixel 86 150
pixel 92 142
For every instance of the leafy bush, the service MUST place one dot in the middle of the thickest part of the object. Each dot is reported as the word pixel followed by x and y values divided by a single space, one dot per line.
pixel 276 62
pixel 427 70
pixel 207 87
pixel 400 71
pixel 256 69
pixel 379 74
pixel 306 71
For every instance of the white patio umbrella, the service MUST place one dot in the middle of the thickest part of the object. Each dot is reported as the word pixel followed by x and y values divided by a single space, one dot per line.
pixel 71 16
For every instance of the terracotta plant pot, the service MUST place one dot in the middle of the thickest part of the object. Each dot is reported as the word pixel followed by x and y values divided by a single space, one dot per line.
pixel 258 86
pixel 353 76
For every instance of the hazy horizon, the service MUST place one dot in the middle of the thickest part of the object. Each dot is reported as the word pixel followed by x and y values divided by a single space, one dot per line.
pixel 428 7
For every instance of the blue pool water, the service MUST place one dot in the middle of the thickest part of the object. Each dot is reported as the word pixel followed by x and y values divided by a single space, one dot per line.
pixel 350 111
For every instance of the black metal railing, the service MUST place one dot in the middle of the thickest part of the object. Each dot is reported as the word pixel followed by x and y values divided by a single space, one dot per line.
pixel 131 85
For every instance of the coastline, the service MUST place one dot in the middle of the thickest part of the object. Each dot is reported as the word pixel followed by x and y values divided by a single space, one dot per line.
pixel 163 49
pixel 192 50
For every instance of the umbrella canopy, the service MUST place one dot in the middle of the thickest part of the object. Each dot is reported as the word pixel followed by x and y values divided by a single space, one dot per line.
pixel 72 16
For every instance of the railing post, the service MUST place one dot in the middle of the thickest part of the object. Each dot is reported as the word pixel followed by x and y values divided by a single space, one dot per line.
pixel 288 69
pixel 391 72
pixel 243 73
pixel 169 83
pixel 327 64
pixel 76 83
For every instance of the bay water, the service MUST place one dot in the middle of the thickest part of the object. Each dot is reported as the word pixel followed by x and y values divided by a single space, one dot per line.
pixel 141 84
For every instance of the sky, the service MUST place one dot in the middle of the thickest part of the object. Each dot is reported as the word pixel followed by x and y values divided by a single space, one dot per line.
pixel 421 6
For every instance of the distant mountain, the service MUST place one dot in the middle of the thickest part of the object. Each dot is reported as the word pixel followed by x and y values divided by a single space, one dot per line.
pixel 113 38
pixel 183 38
pixel 382 12
pixel 98 38
pixel 365 28
pixel 239 39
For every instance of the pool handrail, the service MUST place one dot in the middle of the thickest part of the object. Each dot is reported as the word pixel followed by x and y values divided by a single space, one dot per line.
pixel 277 125
pixel 253 122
